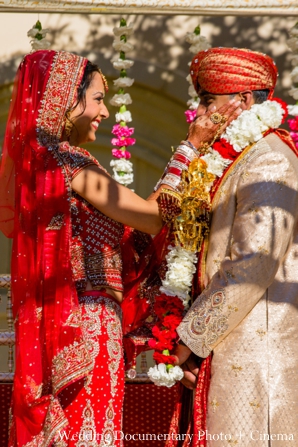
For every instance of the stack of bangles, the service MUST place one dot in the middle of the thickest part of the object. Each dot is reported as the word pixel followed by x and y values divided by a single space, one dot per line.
pixel 180 161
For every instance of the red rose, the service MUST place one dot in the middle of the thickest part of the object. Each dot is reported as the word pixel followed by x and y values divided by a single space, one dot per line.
pixel 163 336
pixel 161 358
pixel 225 149
pixel 165 305
pixel 160 346
pixel 172 321
pixel 284 107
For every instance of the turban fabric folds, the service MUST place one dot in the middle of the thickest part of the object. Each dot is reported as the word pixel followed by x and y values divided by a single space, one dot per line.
pixel 223 71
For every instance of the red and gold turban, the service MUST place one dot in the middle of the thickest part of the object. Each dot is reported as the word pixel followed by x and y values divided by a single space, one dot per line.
pixel 223 71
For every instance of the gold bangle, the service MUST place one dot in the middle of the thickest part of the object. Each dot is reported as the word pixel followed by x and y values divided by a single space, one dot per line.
pixel 169 203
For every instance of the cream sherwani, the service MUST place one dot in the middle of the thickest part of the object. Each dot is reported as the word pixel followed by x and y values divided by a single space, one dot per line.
pixel 248 313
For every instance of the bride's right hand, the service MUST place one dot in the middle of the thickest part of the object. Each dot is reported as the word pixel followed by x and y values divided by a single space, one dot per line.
pixel 203 129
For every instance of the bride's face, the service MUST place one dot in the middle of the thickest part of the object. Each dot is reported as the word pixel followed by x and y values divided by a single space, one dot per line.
pixel 86 121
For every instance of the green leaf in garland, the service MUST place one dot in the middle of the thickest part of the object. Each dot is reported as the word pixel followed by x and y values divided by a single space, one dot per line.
pixel 197 30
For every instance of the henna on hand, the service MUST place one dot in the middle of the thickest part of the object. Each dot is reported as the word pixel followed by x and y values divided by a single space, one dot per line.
pixel 205 129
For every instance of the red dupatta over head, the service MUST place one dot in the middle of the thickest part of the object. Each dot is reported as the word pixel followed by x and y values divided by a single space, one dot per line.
pixel 35 212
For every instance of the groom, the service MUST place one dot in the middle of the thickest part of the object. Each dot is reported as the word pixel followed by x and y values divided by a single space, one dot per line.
pixel 245 308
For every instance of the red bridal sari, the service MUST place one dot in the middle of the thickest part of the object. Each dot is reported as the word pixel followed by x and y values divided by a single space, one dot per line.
pixel 68 385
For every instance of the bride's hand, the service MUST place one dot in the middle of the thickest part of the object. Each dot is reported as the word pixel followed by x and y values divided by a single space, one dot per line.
pixel 210 125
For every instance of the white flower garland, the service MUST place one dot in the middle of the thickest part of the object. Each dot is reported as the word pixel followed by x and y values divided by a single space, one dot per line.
pixel 251 124
pixel 248 128
pixel 293 45
pixel 122 168
pixel 178 280
pixel 198 43
pixel 38 41
pixel 163 377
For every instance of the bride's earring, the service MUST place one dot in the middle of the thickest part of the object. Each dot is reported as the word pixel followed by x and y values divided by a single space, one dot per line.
pixel 68 125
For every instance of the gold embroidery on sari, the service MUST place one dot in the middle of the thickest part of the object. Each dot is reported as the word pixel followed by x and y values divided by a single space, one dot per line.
pixel 54 422
pixel 38 313
pixel 56 222
pixel 105 268
pixel 77 259
pixel 74 319
pixel 72 363
pixel 108 438
pixel 87 435
pixel 60 443
pixel 58 97
pixel 113 344
pixel 33 390
pixel 91 327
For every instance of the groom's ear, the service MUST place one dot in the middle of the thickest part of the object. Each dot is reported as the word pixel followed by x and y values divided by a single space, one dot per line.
pixel 246 99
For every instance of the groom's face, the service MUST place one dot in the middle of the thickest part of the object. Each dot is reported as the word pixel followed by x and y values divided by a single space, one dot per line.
pixel 209 100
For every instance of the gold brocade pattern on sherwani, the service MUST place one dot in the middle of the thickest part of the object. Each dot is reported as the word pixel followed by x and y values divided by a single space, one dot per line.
pixel 208 319
pixel 254 368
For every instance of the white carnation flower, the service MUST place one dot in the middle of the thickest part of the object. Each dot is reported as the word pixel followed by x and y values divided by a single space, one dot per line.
pixel 34 31
pixel 122 171
pixel 123 116
pixel 270 113
pixel 120 64
pixel 125 179
pixel 216 164
pixel 122 165
pixel 123 82
pixel 178 279
pixel 42 44
pixel 250 125
pixel 161 377
pixel 123 30
pixel 120 45
pixel 120 99
pixel 189 79
pixel 193 104
pixel 198 42
pixel 293 110
pixel 192 92
pixel 199 46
